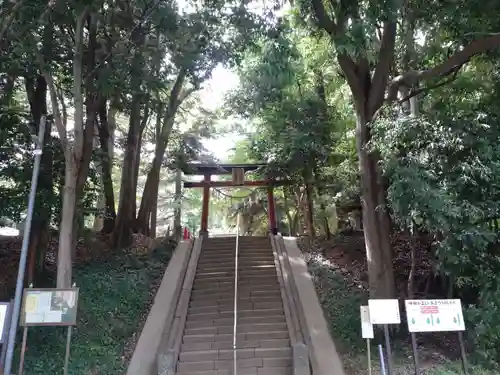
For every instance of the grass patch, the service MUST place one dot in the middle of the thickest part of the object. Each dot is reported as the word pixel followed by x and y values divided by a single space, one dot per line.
pixel 113 298
pixel 340 299
pixel 340 302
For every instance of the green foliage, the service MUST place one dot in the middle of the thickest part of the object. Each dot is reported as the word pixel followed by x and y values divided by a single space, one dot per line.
pixel 16 168
pixel 444 168
pixel 113 299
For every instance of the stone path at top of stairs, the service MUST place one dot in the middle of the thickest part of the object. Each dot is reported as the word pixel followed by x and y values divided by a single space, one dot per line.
pixel 263 342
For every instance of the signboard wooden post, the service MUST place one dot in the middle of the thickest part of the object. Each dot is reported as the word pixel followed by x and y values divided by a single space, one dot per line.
pixel 385 312
pixel 49 307
pixel 367 332
pixel 439 315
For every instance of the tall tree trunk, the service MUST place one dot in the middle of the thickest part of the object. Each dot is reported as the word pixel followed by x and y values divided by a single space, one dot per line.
pixel 36 90
pixel 78 153
pixel 153 178
pixel 309 204
pixel 106 138
pixel 37 97
pixel 66 228
pixel 122 233
pixel 101 203
pixel 178 202
pixel 92 99
pixel 291 227
pixel 144 121
pixel 154 211
pixel 375 218
pixel 125 219
pixel 301 216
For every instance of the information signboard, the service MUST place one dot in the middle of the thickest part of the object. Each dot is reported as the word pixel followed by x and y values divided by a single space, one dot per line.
pixel 384 311
pixel 366 325
pixel 49 307
pixel 434 315
pixel 4 308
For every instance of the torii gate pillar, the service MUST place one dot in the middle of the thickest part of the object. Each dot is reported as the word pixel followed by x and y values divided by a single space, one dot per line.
pixel 204 207
pixel 271 210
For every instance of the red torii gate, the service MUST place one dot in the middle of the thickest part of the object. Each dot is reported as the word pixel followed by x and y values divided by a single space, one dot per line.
pixel 238 173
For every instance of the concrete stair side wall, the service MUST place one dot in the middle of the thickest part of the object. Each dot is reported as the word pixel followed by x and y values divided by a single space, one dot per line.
pixel 162 313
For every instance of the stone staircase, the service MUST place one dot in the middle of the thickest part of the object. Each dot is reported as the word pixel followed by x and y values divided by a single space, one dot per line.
pixel 263 341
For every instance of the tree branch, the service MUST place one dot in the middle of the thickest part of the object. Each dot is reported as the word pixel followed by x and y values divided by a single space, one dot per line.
pixel 10 18
pixel 426 89
pixel 353 78
pixel 383 68
pixel 454 62
pixel 78 82
pixel 324 20
pixel 61 129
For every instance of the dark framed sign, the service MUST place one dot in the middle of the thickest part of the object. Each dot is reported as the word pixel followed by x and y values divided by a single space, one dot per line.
pixel 4 326
pixel 49 307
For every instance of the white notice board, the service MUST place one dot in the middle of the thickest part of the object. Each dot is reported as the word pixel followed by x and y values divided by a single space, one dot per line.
pixel 384 311
pixel 366 325
pixel 3 320
pixel 434 315
pixel 49 307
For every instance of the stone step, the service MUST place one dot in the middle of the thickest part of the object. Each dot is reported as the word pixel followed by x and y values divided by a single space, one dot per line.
pixel 272 343
pixel 244 371
pixel 241 294
pixel 255 364
pixel 242 268
pixel 232 252
pixel 221 283
pixel 241 246
pixel 241 328
pixel 227 287
pixel 243 305
pixel 229 314
pixel 240 337
pixel 230 261
pixel 241 289
pixel 231 264
pixel 241 277
pixel 241 242
pixel 241 253
pixel 255 280
pixel 225 268
pixel 227 354
pixel 254 273
pixel 221 322
pixel 229 301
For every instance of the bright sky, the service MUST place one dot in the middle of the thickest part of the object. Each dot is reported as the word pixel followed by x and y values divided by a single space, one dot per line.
pixel 212 97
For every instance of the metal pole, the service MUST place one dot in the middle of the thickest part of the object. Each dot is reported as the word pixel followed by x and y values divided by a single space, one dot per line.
pixel 388 348
pixel 368 351
pixel 235 367
pixel 382 361
pixel 463 353
pixel 415 352
pixel 24 251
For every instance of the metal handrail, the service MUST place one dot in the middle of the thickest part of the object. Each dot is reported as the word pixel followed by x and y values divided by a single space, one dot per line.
pixel 235 312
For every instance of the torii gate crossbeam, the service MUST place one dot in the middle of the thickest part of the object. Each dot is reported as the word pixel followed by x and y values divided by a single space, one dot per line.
pixel 238 172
